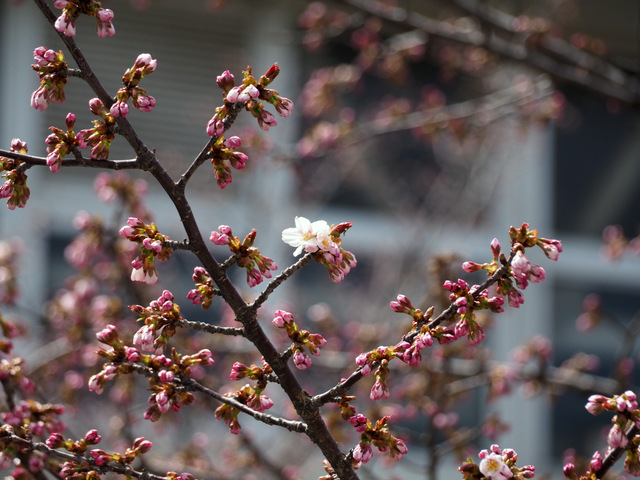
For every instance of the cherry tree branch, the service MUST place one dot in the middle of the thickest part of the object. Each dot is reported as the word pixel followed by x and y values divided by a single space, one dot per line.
pixel 193 385
pixel 345 385
pixel 7 437
pixel 32 160
pixel 291 425
pixel 234 110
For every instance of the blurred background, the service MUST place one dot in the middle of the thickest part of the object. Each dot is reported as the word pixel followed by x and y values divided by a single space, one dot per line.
pixel 433 126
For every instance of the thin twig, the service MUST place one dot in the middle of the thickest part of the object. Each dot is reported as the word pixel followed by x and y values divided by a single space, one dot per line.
pixel 275 283
pixel 7 438
pixel 206 327
pixel 193 385
pixel 338 390
pixel 32 160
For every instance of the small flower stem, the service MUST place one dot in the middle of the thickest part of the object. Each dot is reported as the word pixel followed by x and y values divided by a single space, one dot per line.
pixel 204 153
pixel 275 283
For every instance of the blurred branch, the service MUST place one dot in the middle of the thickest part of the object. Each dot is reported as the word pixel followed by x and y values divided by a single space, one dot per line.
pixel 498 33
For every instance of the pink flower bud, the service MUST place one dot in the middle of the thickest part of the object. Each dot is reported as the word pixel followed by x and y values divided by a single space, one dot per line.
pixel 282 317
pixel 105 26
pixel 362 453
pixel 238 371
pixel 266 120
pixel 166 376
pixel 55 440
pixel 145 103
pixel 119 109
pixel 92 437
pixel 616 437
pixel 226 81
pixel 232 95
pixel 218 238
pixel 284 106
pixel 39 99
pixel 64 25
pixel 162 400
pixel 233 142
pixel 100 457
pixel 471 267
pixel 96 106
pixel 569 471
pixel 495 248
pixel 204 357
pixel 238 160
pixel 515 298
pixel 108 335
pixel 301 360
pixel 70 120
pixel 141 445
pixel 132 354
pixel 359 421
pixel 596 461
pixel 146 62
pixel 379 391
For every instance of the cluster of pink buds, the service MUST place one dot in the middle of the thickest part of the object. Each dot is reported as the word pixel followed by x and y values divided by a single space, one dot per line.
pixel 71 10
pixel 247 395
pixel 139 447
pixel 99 137
pixel 57 440
pixel 166 396
pixel 72 470
pixel 98 382
pixel 152 247
pixel 223 157
pixel 302 339
pixel 254 372
pixel 11 370
pixel 159 323
pixel 38 418
pixel 380 357
pixel 420 334
pixel 205 291
pixel 249 94
pixel 52 72
pixel 496 464
pixel 377 435
pixel 521 269
pixel 463 297
pixel 248 256
pixel 324 242
pixel 622 434
pixel 15 186
pixel 143 65
pixel 60 143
